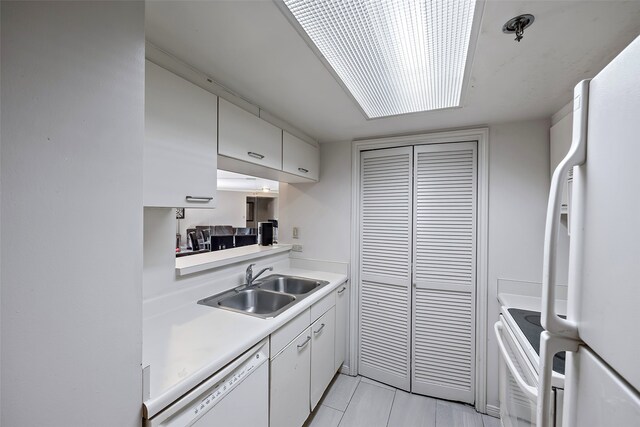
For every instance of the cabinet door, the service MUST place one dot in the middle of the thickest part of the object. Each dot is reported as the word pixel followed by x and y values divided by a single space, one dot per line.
pixel 342 324
pixel 246 137
pixel 323 332
pixel 444 276
pixel 290 383
pixel 180 147
pixel 385 265
pixel 300 158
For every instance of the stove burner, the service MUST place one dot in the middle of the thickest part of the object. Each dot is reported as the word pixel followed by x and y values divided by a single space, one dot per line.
pixel 534 319
pixel 529 323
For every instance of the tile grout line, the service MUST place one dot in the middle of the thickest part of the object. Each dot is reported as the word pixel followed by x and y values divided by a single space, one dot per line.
pixel 341 416
pixel 350 399
pixel 391 409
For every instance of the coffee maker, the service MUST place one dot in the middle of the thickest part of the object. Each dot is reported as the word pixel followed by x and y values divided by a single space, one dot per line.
pixel 275 229
pixel 265 233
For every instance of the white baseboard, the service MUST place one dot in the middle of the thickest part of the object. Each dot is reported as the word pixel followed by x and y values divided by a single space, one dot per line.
pixel 493 411
pixel 345 370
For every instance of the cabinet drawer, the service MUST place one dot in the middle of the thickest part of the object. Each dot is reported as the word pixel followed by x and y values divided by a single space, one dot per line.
pixel 300 158
pixel 284 335
pixel 322 306
pixel 243 136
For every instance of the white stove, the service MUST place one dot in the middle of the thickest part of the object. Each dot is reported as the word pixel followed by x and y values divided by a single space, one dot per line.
pixel 516 334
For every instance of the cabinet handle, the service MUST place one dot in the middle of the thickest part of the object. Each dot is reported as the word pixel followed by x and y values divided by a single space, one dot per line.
pixel 319 330
pixel 303 170
pixel 255 155
pixel 197 199
pixel 344 288
pixel 304 344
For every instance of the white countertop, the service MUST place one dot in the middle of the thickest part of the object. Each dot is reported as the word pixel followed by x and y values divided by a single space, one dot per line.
pixel 209 260
pixel 187 345
pixel 528 295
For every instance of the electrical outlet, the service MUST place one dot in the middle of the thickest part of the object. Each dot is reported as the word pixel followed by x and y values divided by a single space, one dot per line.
pixel 297 248
pixel 296 232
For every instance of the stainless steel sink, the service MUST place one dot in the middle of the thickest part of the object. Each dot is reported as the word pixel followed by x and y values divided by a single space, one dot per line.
pixel 268 298
pixel 256 302
pixel 290 284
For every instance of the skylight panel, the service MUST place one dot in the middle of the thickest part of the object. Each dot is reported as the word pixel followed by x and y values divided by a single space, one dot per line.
pixel 394 56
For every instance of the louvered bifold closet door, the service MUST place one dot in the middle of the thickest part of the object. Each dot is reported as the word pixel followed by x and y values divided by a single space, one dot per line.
pixel 443 350
pixel 385 265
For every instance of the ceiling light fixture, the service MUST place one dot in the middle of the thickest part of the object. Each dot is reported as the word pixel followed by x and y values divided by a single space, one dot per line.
pixel 517 25
pixel 393 56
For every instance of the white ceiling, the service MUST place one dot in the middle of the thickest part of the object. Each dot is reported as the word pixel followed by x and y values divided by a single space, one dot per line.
pixel 250 47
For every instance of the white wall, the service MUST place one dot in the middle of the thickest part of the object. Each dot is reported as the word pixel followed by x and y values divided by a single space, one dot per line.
pixel 72 131
pixel 518 192
pixel 321 211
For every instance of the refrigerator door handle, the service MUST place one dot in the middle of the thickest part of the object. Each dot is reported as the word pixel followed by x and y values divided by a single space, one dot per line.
pixel 549 346
pixel 577 155
pixel 529 391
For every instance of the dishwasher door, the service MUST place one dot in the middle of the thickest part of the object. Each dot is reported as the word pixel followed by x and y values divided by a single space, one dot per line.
pixel 238 396
pixel 247 405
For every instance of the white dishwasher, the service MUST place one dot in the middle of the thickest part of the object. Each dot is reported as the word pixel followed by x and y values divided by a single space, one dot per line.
pixel 236 396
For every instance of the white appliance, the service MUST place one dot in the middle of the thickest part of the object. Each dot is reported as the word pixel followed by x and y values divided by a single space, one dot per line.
pixel 518 372
pixel 236 396
pixel 600 334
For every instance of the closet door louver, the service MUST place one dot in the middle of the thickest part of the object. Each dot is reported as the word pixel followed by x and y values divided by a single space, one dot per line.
pixel 385 265
pixel 443 351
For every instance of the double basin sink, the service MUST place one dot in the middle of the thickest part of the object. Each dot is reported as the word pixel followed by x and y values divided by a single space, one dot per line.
pixel 265 298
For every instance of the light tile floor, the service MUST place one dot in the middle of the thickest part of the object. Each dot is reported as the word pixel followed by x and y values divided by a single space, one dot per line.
pixel 361 402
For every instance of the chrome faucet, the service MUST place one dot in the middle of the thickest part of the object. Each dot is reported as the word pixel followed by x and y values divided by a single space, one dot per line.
pixel 250 278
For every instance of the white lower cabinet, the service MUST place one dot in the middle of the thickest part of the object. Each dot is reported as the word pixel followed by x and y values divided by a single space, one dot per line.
pixel 323 332
pixel 302 369
pixel 290 380
pixel 342 322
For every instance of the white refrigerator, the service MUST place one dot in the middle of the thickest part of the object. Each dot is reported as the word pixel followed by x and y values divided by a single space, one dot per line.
pixel 602 331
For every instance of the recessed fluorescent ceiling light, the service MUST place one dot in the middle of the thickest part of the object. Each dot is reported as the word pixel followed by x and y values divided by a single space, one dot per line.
pixel 394 56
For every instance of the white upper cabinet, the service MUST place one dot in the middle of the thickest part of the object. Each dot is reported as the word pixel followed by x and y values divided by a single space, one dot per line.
pixel 300 158
pixel 560 142
pixel 246 137
pixel 180 148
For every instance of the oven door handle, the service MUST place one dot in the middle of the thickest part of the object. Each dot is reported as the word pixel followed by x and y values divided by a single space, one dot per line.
pixel 530 391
